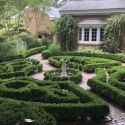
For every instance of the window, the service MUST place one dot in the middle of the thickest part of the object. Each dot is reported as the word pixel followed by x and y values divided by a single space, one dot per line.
pixel 90 34
pixel 86 35
pixel 94 34
pixel 80 34
pixel 101 34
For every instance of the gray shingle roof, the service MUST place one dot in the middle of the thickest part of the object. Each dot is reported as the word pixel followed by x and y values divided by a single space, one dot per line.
pixel 91 21
pixel 54 11
pixel 93 5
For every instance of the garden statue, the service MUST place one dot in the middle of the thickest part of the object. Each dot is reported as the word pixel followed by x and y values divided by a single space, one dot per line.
pixel 64 73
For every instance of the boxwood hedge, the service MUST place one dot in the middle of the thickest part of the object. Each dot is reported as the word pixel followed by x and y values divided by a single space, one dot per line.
pixel 111 91
pixel 19 67
pixel 88 64
pixel 117 57
pixel 64 100
pixel 55 75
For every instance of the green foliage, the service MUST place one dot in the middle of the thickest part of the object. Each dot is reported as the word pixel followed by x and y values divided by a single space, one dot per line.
pixel 55 75
pixel 114 34
pixel 66 33
pixel 7 48
pixel 19 67
pixel 45 42
pixel 88 64
pixel 35 50
pixel 54 48
pixel 64 100
pixel 114 90
pixel 16 113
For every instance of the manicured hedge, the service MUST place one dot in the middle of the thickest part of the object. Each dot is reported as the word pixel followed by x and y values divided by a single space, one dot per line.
pixel 64 100
pixel 35 50
pixel 55 75
pixel 14 112
pixel 107 90
pixel 19 67
pixel 118 57
pixel 88 64
pixel 117 79
pixel 10 57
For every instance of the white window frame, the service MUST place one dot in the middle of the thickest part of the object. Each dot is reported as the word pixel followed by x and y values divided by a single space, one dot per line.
pixel 90 35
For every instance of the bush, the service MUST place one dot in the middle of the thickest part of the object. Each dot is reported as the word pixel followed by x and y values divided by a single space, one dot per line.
pixel 45 42
pixel 19 67
pixel 82 103
pixel 39 66
pixel 54 48
pixel 117 57
pixel 10 57
pixel 13 112
pixel 98 84
pixel 46 54
pixel 55 75
pixel 31 42
pixel 90 63
pixel 35 50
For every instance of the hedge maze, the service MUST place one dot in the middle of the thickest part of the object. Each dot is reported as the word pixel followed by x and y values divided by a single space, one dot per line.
pixel 55 75
pixel 87 64
pixel 55 97
pixel 64 100
pixel 19 67
pixel 114 89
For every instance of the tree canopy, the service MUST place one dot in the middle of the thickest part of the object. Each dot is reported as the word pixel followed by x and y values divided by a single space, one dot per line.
pixel 9 8
pixel 114 34
pixel 66 32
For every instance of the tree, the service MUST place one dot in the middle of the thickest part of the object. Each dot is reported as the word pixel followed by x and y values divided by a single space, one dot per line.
pixel 66 33
pixel 36 10
pixel 114 34
pixel 9 8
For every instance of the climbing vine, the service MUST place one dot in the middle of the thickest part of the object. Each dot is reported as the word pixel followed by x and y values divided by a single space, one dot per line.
pixel 114 34
pixel 66 33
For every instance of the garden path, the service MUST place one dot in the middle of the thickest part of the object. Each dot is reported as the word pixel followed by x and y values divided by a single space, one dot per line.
pixel 116 116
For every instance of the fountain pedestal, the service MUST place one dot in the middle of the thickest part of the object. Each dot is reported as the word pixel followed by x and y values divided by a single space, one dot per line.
pixel 64 73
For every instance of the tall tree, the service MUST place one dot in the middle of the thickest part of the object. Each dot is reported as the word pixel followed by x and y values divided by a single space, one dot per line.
pixel 37 12
pixel 114 34
pixel 10 7
pixel 66 33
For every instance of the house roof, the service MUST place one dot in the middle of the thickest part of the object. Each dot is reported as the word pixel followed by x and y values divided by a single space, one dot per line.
pixel 91 5
pixel 54 12
pixel 91 22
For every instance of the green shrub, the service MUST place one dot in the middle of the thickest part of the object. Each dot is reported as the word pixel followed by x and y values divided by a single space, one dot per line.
pixel 45 42
pixel 46 54
pixel 39 66
pixel 35 50
pixel 55 75
pixel 97 83
pixel 90 63
pixel 54 48
pixel 78 102
pixel 10 57
pixel 12 113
